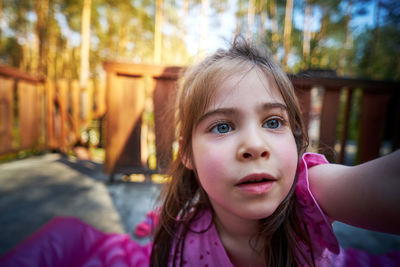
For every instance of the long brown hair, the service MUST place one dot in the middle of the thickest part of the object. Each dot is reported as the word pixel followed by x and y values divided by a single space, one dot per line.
pixel 183 198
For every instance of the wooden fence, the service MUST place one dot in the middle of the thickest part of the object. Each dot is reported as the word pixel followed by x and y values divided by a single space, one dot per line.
pixel 126 100
pixel 379 113
pixel 126 97
pixel 36 113
pixel 70 109
pixel 22 98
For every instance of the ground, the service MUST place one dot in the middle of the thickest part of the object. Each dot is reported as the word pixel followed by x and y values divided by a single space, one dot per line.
pixel 36 189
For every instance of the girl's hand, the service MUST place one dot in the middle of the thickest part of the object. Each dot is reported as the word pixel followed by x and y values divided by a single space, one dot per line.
pixel 366 195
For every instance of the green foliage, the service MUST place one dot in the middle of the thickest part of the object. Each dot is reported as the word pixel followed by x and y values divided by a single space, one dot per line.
pixel 123 30
pixel 380 59
pixel 10 51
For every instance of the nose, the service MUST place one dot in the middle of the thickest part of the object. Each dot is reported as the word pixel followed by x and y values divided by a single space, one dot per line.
pixel 253 146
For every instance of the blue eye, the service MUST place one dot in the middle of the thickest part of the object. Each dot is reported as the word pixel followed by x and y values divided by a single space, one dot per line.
pixel 272 124
pixel 221 128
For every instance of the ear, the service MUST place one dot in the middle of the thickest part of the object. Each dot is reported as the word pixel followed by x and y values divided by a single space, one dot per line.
pixel 185 160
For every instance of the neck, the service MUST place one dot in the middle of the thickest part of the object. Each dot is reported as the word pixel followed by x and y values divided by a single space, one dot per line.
pixel 238 236
pixel 231 225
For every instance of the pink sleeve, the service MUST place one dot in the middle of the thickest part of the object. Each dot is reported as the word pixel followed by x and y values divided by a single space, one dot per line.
pixel 327 251
pixel 71 242
pixel 318 224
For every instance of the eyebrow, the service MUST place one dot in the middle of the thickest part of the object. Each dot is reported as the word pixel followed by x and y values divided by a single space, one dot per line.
pixel 233 111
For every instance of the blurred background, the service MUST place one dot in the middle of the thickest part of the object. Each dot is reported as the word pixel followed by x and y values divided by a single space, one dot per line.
pixel 62 39
pixel 93 81
pixel 64 44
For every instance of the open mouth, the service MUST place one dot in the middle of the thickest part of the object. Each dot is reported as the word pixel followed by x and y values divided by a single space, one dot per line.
pixel 256 178
pixel 256 183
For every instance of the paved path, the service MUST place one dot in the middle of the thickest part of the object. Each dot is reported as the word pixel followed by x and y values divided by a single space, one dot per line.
pixel 34 190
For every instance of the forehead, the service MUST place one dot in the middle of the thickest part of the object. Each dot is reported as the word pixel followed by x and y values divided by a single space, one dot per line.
pixel 251 81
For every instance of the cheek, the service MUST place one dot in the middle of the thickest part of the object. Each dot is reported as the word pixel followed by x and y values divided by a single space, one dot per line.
pixel 209 163
pixel 288 156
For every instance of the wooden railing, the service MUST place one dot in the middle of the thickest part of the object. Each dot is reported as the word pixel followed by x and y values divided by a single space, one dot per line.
pixel 35 113
pixel 126 102
pixel 379 113
pixel 126 99
pixel 38 113
pixel 22 103
pixel 70 109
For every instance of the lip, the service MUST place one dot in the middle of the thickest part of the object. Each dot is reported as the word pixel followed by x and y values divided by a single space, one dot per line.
pixel 256 183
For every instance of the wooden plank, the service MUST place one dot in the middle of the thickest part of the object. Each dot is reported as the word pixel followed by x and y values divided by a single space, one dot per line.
pixel 6 114
pixel 99 99
pixel 164 103
pixel 126 97
pixel 304 97
pixel 17 74
pixel 29 130
pixel 75 108
pixel 396 121
pixel 328 123
pixel 140 70
pixel 62 100
pixel 345 128
pixel 55 120
pixel 50 91
pixel 373 115
pixel 41 114
pixel 111 125
pixel 340 82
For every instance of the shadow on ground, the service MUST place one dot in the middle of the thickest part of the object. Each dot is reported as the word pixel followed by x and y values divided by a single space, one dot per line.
pixel 37 189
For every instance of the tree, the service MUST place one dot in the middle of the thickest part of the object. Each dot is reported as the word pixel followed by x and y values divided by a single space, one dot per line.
pixel 287 31
pixel 85 43
pixel 307 31
pixel 42 10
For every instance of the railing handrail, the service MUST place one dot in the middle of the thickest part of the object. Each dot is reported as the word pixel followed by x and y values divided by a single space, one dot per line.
pixel 138 70
pixel 305 80
pixel 18 74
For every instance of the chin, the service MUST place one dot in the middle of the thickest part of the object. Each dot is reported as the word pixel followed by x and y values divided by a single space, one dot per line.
pixel 259 214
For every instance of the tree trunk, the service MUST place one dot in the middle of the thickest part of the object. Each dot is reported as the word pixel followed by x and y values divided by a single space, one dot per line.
pixel 274 29
pixel 287 31
pixel 375 35
pixel 307 33
pixel 348 42
pixel 1 17
pixel 41 9
pixel 52 45
pixel 85 44
pixel 158 32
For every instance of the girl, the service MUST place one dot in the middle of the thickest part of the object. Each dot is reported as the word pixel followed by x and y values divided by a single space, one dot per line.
pixel 239 193
pixel 240 189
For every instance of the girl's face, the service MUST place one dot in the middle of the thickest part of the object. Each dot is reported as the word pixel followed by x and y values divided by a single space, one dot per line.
pixel 244 152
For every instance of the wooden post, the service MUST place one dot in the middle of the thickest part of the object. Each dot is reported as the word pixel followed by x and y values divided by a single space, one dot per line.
pixel 329 116
pixel 373 113
pixel 6 114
